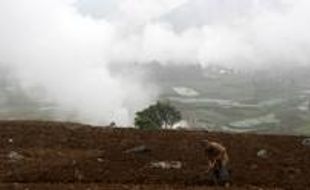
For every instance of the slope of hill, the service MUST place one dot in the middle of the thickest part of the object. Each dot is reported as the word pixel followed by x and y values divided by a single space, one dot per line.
pixel 55 155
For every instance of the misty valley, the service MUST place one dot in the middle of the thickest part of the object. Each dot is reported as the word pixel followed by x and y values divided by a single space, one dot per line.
pixel 154 94
pixel 215 98
pixel 274 100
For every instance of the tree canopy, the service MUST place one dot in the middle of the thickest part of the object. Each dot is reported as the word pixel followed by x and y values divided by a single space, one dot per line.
pixel 157 116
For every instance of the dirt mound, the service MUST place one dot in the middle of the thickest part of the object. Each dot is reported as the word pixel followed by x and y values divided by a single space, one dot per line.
pixel 37 153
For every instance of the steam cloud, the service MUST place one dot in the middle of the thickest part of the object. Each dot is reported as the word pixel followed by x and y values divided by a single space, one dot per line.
pixel 51 44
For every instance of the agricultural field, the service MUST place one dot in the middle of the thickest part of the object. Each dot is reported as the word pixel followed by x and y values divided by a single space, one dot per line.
pixel 227 100
pixel 55 155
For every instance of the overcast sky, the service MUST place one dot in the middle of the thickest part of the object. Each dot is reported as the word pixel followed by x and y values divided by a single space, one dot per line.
pixel 183 13
pixel 230 32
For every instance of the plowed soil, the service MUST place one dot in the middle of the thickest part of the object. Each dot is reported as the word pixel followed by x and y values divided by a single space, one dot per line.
pixel 61 156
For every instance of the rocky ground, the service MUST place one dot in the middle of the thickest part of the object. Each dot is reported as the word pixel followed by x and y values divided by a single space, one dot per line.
pixel 53 155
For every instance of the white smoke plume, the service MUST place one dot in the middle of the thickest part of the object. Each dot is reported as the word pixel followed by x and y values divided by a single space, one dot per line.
pixel 53 45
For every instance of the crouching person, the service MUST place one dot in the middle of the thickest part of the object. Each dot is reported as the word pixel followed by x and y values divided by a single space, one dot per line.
pixel 217 163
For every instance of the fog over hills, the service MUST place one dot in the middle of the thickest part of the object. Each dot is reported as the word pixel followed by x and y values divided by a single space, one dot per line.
pixel 101 61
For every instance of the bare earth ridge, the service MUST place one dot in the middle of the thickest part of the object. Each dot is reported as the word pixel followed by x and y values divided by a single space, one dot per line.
pixel 37 155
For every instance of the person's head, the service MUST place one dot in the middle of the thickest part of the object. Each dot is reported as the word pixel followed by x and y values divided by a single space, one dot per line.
pixel 211 151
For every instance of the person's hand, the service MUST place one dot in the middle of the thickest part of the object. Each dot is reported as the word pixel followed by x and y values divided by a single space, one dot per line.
pixel 211 164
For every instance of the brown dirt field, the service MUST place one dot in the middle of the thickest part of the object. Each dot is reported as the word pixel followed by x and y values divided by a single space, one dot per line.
pixel 76 186
pixel 55 155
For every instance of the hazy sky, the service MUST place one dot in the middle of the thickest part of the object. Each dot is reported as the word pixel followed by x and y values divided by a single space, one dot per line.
pixel 185 13
pixel 222 31
pixel 67 46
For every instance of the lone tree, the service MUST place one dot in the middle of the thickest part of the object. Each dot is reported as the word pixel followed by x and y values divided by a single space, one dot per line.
pixel 157 116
